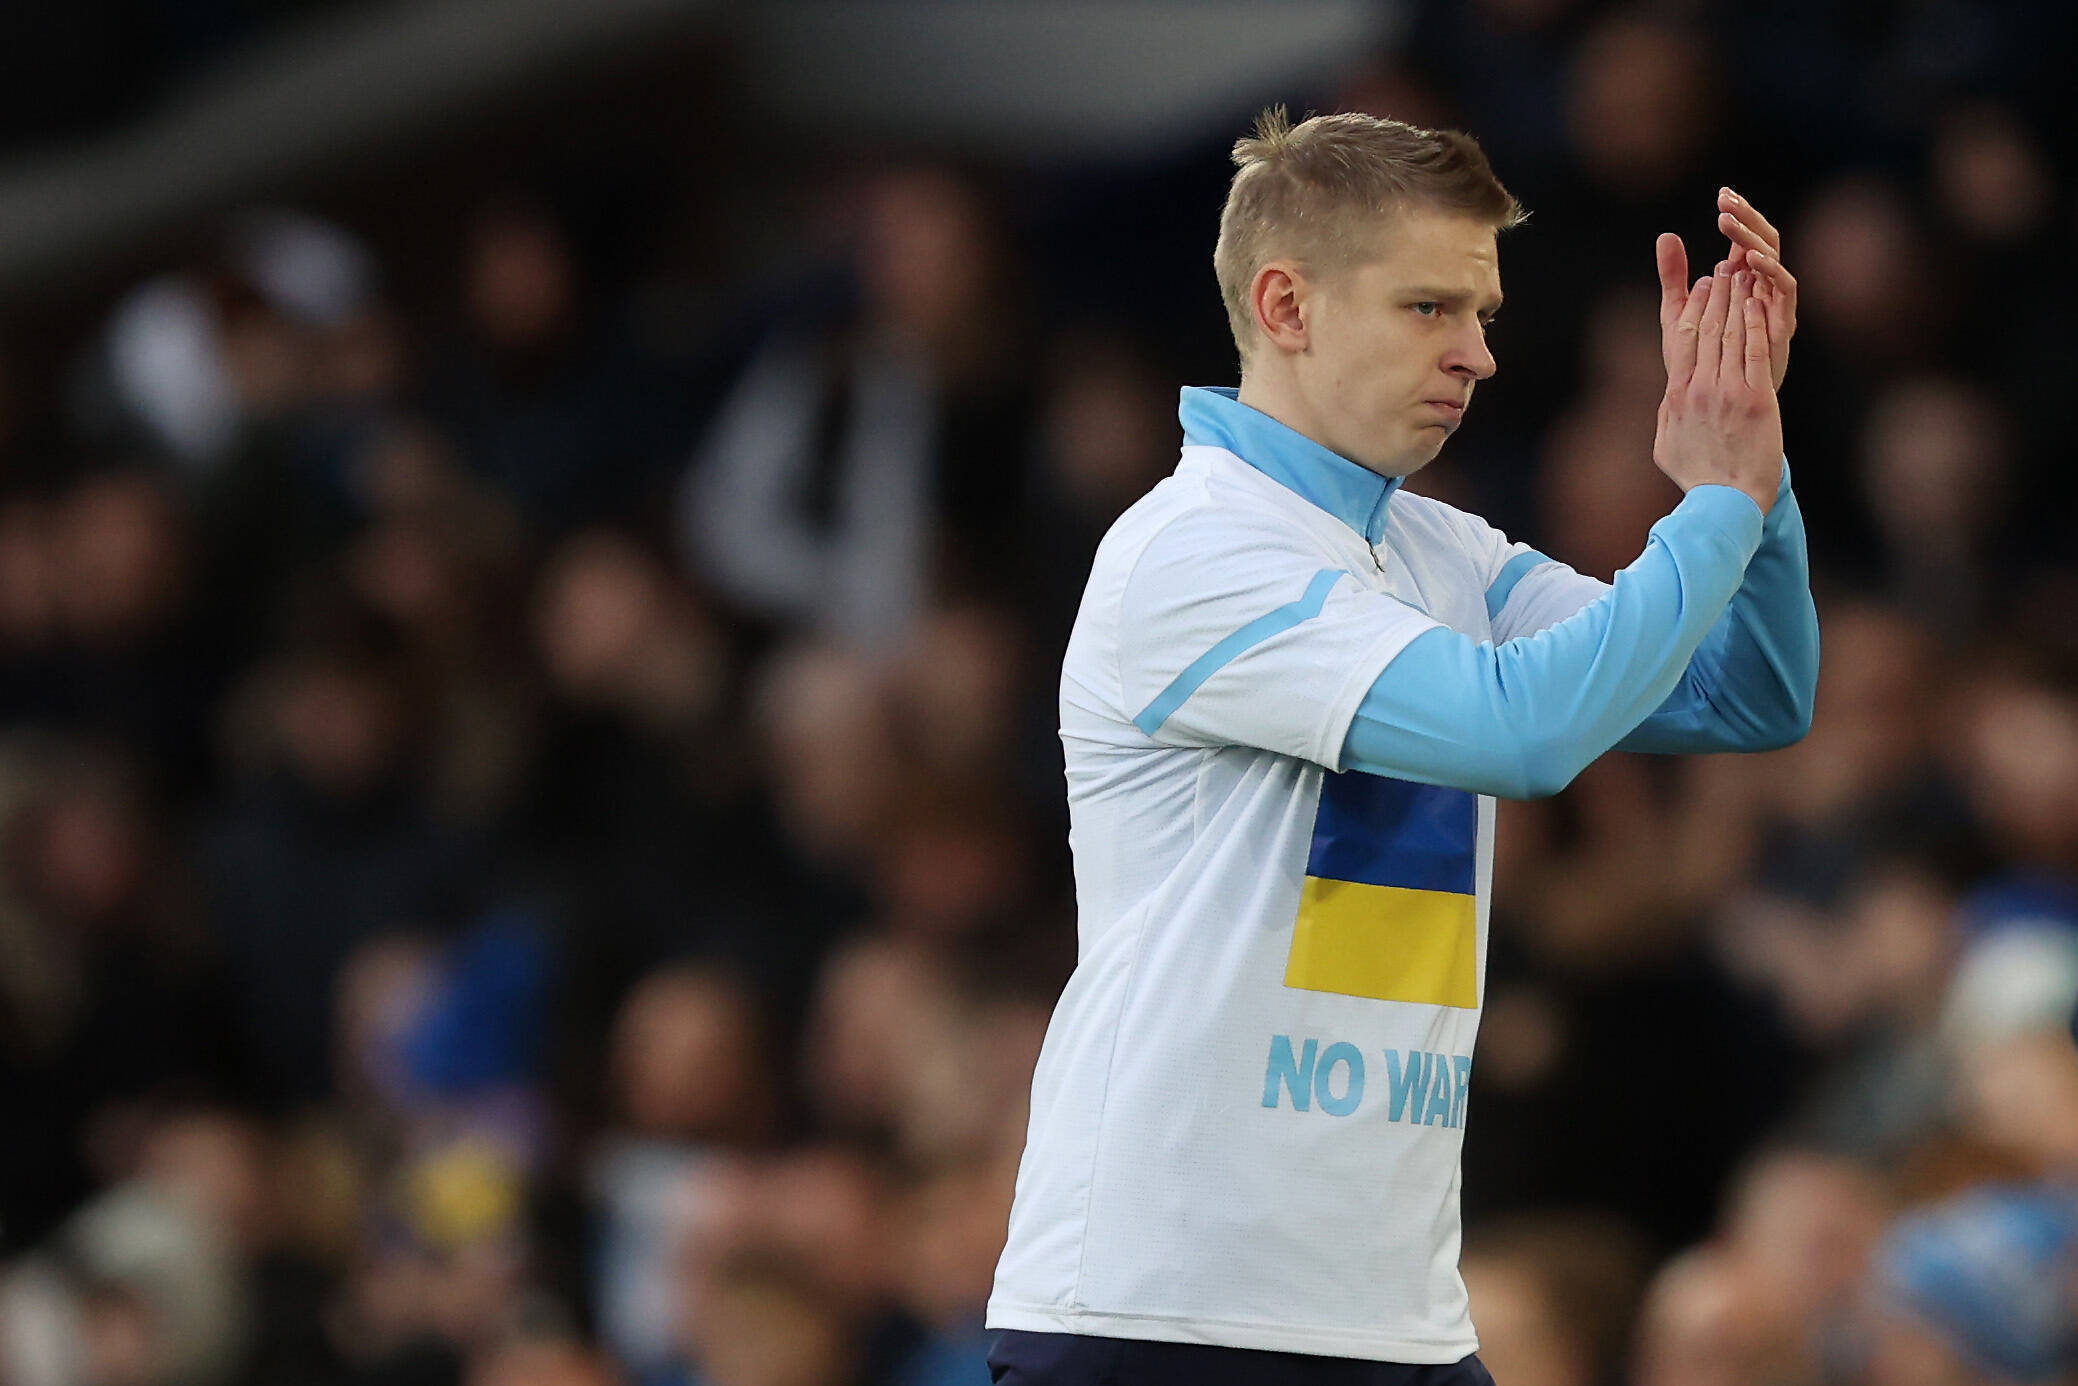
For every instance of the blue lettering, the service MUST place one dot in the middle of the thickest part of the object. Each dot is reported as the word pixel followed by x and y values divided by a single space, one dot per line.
pixel 1402 1083
pixel 1464 1085
pixel 1351 1058
pixel 1295 1074
pixel 1441 1095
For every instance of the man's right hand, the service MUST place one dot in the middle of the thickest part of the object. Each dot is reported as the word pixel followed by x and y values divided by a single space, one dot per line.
pixel 1719 423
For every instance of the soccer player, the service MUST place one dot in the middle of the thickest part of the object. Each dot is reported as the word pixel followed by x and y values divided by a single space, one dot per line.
pixel 1292 694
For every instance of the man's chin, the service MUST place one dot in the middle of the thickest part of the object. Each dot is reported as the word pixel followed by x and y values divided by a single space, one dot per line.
pixel 1423 450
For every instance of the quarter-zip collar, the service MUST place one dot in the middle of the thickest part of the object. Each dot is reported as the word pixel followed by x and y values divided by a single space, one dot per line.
pixel 1214 416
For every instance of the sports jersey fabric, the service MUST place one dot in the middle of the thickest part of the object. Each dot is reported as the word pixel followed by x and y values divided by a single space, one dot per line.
pixel 1290 692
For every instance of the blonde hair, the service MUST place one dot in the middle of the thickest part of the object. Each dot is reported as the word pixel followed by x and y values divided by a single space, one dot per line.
pixel 1316 191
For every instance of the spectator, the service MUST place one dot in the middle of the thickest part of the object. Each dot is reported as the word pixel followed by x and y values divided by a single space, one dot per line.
pixel 873 451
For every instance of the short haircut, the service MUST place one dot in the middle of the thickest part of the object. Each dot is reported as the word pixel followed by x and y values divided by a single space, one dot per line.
pixel 1317 191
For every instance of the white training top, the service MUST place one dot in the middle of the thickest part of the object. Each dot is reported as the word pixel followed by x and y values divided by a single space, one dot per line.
pixel 1247 1116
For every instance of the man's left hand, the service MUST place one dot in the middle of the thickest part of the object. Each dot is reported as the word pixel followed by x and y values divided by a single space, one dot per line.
pixel 1756 245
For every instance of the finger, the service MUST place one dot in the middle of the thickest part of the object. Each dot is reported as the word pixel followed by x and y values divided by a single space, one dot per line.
pixel 1782 318
pixel 1750 216
pixel 1775 274
pixel 1673 266
pixel 1759 368
pixel 1744 239
pixel 1710 330
pixel 1732 339
pixel 1777 291
pixel 1679 343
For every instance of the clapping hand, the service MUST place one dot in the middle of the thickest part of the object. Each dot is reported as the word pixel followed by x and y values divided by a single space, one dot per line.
pixel 1719 423
pixel 1755 245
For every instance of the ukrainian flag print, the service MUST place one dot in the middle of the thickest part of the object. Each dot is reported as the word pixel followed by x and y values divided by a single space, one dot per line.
pixel 1388 909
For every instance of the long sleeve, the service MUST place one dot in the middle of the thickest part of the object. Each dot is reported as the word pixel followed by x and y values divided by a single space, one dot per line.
pixel 1521 718
pixel 1751 684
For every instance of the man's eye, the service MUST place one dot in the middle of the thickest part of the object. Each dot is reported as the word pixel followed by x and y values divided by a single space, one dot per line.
pixel 1428 308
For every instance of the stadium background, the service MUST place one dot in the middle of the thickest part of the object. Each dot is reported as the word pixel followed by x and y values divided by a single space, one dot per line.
pixel 535 542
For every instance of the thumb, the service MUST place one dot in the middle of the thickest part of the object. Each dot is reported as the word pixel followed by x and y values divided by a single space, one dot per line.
pixel 1672 257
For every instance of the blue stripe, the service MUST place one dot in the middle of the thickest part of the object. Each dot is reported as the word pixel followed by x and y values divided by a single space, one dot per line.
pixel 1518 568
pixel 1375 830
pixel 1216 658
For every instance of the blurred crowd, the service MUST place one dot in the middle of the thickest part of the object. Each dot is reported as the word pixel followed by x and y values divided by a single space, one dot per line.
pixel 532 848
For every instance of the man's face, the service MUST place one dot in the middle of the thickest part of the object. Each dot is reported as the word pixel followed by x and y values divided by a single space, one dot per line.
pixel 1396 343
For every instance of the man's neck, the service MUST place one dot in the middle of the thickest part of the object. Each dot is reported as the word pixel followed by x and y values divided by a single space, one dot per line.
pixel 1268 394
pixel 1277 395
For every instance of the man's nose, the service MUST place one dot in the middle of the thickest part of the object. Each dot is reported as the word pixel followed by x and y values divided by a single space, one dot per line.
pixel 1471 359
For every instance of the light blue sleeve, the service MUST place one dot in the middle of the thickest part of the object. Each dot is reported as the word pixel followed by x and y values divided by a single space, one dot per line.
pixel 1521 719
pixel 1752 681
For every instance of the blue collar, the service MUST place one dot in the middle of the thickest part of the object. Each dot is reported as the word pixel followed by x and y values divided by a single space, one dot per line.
pixel 1214 416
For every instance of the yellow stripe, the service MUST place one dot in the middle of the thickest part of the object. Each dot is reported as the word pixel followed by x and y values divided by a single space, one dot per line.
pixel 1386 942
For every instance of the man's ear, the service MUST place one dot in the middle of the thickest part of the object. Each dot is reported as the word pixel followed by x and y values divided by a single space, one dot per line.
pixel 1278 297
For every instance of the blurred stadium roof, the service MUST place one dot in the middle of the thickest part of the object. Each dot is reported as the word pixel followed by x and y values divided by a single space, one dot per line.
pixel 1020 78
pixel 1082 77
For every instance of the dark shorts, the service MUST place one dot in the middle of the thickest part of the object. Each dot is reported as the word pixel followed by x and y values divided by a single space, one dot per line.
pixel 1066 1359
